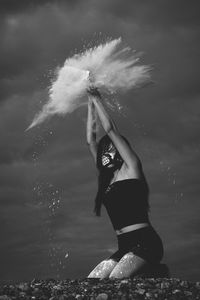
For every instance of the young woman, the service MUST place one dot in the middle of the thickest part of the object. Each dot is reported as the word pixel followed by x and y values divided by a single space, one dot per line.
pixel 123 190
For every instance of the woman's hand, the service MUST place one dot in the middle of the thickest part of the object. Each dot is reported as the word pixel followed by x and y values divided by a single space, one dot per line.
pixel 93 91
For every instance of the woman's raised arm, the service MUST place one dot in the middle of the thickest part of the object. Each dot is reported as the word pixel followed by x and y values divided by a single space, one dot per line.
pixel 92 128
pixel 127 153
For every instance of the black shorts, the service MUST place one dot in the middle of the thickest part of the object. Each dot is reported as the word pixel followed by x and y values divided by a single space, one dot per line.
pixel 144 242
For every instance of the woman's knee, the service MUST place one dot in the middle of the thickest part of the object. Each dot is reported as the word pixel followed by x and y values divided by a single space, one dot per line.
pixel 103 269
pixel 129 265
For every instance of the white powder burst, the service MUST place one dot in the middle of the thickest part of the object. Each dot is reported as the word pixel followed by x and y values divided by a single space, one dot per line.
pixel 109 66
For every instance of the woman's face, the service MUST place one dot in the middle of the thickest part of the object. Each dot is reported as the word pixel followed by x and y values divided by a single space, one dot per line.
pixel 109 156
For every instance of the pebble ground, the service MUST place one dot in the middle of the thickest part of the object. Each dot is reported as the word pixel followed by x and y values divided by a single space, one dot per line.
pixel 106 289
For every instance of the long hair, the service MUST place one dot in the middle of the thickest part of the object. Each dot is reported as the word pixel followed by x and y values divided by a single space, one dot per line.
pixel 106 174
pixel 104 179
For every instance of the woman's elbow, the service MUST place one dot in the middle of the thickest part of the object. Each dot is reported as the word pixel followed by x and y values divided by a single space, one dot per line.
pixel 92 145
pixel 135 164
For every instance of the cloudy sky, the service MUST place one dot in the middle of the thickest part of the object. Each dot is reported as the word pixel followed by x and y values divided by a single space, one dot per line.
pixel 48 179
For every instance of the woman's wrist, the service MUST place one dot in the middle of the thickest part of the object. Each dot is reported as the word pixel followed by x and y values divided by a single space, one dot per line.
pixel 94 92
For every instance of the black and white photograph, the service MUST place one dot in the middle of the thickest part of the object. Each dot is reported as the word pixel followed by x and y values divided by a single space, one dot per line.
pixel 99 149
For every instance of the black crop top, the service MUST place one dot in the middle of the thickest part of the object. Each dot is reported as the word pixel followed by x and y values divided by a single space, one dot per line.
pixel 126 202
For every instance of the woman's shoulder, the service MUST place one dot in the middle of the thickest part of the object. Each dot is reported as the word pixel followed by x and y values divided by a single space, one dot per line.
pixel 128 173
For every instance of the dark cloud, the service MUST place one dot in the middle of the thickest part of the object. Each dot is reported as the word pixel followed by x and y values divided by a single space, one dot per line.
pixel 161 121
pixel 14 6
pixel 162 13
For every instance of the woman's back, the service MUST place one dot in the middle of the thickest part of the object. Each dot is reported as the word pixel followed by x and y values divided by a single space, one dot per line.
pixel 126 202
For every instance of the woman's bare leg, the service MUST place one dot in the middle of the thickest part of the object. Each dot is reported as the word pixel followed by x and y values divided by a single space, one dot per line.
pixel 103 269
pixel 129 264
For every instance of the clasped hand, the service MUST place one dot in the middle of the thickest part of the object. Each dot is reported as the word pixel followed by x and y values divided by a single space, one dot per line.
pixel 93 91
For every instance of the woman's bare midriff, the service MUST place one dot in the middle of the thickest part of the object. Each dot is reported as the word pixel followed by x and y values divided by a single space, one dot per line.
pixel 131 228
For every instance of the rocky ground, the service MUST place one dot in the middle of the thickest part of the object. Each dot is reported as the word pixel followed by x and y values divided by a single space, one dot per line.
pixel 106 289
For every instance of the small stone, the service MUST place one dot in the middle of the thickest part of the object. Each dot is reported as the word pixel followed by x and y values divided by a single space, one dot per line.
pixel 124 281
pixel 164 285
pixel 156 295
pixel 43 297
pixel 79 297
pixel 57 287
pixel 102 296
pixel 23 287
pixel 22 294
pixel 184 284
pixel 63 297
pixel 198 284
pixel 188 293
pixel 148 295
pixel 141 291
pixel 176 291
pixel 36 290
